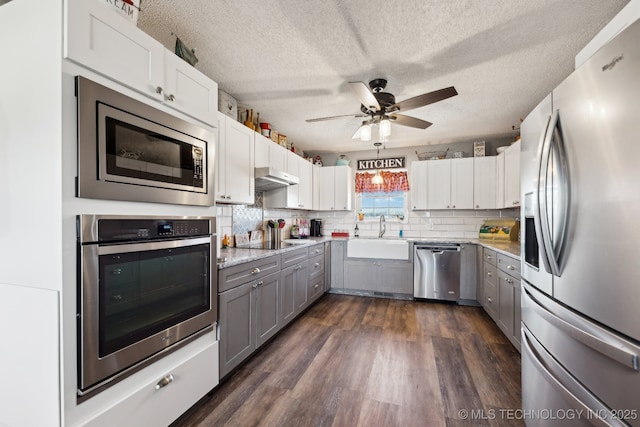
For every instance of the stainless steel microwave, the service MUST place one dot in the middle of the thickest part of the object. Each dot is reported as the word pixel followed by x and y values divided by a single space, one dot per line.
pixel 128 150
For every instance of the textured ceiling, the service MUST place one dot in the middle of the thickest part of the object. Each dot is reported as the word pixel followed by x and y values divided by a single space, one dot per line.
pixel 291 60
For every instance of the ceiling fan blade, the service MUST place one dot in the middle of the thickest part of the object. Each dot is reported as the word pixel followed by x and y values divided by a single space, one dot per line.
pixel 365 96
pixel 424 99
pixel 403 120
pixel 322 119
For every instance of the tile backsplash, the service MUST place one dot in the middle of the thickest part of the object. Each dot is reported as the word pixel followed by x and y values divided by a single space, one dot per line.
pixel 417 224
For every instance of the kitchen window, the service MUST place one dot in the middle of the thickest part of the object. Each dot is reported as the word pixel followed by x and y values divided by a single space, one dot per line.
pixel 388 199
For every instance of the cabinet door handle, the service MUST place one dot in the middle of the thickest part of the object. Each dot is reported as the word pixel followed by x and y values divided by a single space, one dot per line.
pixel 164 382
pixel 454 206
pixel 255 271
pixel 260 283
pixel 170 98
pixel 159 90
pixel 254 286
pixel 297 267
pixel 477 206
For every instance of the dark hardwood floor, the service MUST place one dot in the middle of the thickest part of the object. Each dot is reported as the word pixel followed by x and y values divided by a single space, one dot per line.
pixel 357 361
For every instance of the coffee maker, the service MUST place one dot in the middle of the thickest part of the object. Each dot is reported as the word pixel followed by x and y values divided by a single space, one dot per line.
pixel 316 227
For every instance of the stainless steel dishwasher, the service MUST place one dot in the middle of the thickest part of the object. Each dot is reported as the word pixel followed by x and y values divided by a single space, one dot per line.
pixel 436 271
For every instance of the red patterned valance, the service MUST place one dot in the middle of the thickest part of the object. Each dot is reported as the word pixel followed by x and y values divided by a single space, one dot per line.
pixel 393 181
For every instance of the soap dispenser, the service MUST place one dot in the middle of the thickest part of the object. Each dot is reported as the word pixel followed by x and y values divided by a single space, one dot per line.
pixel 356 231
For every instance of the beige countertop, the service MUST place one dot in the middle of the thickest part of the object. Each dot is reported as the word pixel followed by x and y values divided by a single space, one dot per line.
pixel 235 256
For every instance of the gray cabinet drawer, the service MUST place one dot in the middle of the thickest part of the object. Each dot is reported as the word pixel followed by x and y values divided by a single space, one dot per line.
pixel 316 266
pixel 489 256
pixel 490 273
pixel 316 250
pixel 294 257
pixel 237 275
pixel 509 265
pixel 490 302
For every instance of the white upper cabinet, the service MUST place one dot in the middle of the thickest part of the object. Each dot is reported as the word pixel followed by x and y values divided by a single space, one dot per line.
pixel 277 155
pixel 101 40
pixel 305 188
pixel 235 162
pixel 500 180
pixel 299 196
pixel 512 175
pixel 336 188
pixel 450 184
pixel 484 182
pixel 315 199
pixel 419 188
pixel 261 145
pixel 188 90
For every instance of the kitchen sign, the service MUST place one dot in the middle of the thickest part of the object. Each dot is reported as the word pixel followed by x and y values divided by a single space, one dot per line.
pixel 387 163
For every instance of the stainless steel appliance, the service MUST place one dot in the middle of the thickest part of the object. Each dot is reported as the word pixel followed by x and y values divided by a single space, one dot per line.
pixel 268 178
pixel 580 186
pixel 436 271
pixel 128 150
pixel 146 286
pixel 316 227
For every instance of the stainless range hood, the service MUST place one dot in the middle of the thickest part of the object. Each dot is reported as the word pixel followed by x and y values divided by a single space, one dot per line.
pixel 270 179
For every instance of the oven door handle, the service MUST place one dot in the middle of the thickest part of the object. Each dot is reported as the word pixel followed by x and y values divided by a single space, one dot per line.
pixel 151 246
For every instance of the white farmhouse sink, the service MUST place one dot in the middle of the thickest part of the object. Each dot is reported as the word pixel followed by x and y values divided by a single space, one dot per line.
pixel 378 248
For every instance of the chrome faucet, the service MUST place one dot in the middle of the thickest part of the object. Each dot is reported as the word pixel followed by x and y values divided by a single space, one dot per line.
pixel 383 226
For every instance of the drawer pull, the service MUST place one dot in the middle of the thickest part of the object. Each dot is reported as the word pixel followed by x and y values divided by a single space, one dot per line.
pixel 164 382
pixel 510 267
pixel 316 286
pixel 317 264
pixel 255 271
pixel 489 299
pixel 489 257
pixel 489 274
pixel 317 251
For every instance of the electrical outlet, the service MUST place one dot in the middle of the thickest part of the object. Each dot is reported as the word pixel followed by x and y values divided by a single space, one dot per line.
pixel 430 225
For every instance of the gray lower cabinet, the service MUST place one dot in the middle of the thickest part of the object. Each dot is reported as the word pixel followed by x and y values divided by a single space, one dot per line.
pixel 256 299
pixel 337 263
pixel 327 266
pixel 378 276
pixel 248 317
pixel 468 273
pixel 501 289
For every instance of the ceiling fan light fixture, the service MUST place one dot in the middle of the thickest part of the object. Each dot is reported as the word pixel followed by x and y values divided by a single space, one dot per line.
pixel 385 128
pixel 365 133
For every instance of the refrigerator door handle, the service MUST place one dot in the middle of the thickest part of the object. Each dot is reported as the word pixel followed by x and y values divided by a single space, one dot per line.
pixel 609 347
pixel 542 166
pixel 554 249
pixel 576 395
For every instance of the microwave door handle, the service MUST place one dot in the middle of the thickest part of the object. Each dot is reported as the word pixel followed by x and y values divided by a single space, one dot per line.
pixel 540 209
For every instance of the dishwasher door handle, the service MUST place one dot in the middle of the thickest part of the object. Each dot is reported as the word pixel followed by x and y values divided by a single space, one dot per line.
pixel 437 252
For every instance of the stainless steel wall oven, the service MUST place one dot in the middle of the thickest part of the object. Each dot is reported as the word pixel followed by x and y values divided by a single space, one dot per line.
pixel 128 150
pixel 147 285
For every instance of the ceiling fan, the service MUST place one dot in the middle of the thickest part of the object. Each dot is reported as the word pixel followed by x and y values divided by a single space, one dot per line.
pixel 380 108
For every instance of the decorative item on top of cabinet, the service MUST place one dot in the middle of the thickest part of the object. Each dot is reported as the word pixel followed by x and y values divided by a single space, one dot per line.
pixel 183 52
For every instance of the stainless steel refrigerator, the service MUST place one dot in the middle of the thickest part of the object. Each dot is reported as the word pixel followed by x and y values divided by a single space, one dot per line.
pixel 580 183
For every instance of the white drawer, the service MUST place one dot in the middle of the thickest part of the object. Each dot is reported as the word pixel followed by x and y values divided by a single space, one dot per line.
pixel 152 405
